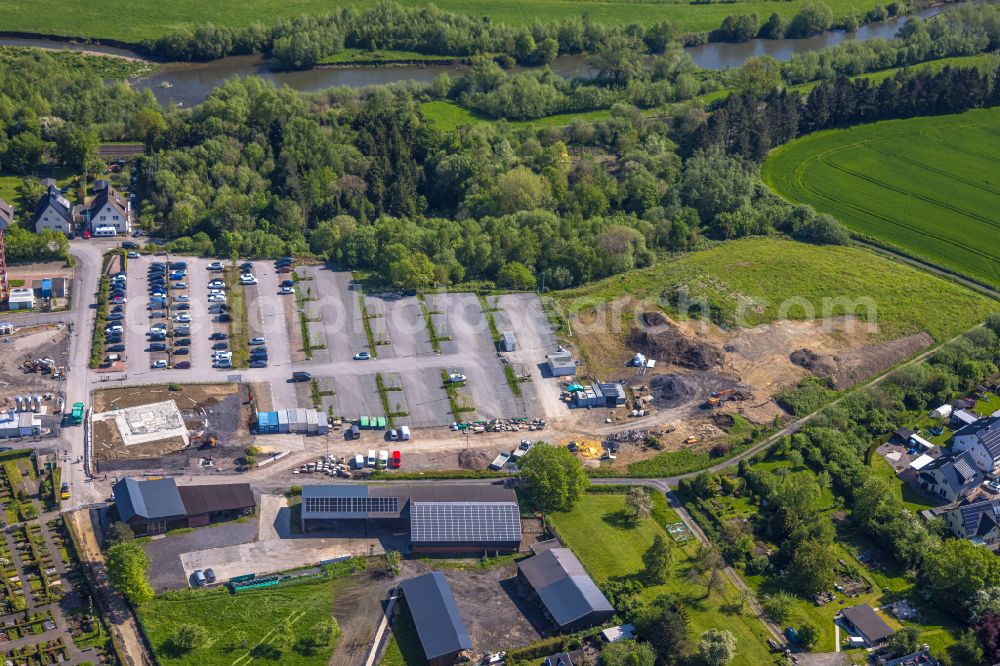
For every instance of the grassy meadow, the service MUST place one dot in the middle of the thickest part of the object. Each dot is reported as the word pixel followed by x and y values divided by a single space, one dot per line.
pixel 600 534
pixel 766 279
pixel 246 627
pixel 928 186
pixel 134 22
pixel 449 116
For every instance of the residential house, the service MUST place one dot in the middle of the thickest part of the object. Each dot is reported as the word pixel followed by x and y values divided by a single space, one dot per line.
pixel 53 211
pixel 982 440
pixel 953 478
pixel 864 625
pixel 6 214
pixel 978 521
pixel 109 209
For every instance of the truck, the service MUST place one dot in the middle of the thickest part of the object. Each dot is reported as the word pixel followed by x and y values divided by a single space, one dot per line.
pixel 76 418
pixel 499 462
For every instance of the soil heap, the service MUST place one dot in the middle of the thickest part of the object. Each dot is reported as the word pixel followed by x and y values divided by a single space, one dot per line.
pixel 659 339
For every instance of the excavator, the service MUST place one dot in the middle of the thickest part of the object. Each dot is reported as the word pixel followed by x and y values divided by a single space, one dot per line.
pixel 718 397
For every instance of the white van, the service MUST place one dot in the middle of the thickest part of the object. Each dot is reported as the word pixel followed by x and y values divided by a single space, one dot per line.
pixel 383 458
pixel 105 231
pixel 359 461
pixel 404 433
pixel 371 457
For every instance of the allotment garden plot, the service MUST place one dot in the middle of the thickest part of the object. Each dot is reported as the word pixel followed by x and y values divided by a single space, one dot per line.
pixel 926 185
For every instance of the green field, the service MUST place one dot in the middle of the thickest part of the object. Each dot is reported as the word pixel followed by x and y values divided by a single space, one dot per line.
pixel 610 549
pixel 246 627
pixel 769 278
pixel 926 185
pixel 449 116
pixel 133 22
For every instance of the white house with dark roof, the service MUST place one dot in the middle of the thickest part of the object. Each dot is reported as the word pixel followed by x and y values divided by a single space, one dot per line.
pixel 982 440
pixel 978 521
pixel 952 478
pixel 53 211
pixel 109 209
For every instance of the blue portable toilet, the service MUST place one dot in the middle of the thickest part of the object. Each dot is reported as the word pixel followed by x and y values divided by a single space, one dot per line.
pixel 47 288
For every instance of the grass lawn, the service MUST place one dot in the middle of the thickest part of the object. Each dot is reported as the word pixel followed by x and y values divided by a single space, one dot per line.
pixel 239 340
pixel 10 182
pixel 924 185
pixel 598 531
pixel 449 116
pixel 767 278
pixel 253 616
pixel 404 647
pixel 910 498
pixel 134 22
pixel 106 67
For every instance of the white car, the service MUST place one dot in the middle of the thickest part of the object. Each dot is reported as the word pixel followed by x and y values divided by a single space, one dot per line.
pixel 182 298
pixel 248 279
pixel 456 378
pixel 222 356
pixel 216 283
pixel 133 255
pixel 159 365
pixel 215 266
pixel 182 318
pixel 216 298
pixel 222 363
pixel 286 290
pixel 258 341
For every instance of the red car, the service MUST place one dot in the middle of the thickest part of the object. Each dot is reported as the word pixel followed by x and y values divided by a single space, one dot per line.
pixel 395 462
pixel 86 234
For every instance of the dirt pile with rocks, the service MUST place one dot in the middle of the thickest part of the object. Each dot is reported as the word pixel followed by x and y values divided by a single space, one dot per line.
pixel 472 459
pixel 673 390
pixel 658 338
pixel 822 365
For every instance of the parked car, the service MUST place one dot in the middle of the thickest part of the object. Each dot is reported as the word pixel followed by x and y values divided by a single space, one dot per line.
pixel 183 318
pixel 159 365
pixel 182 298
pixel 992 486
pixel 456 378
pixel 210 575
pixel 129 245
pixel 216 284
pixel 216 298
pixel 157 346
pixel 284 291
pixel 246 267
pixel 284 269
pixel 287 283
pixel 182 342
pixel 216 266
pixel 362 356
pixel 199 578
pixel 116 348
pixel 222 363
pixel 220 346
pixel 301 376
pixel 179 265
pixel 134 255
pixel 258 341
pixel 179 285
pixel 258 362
pixel 116 316
pixel 111 339
pixel 182 306
pixel 397 460
pixel 183 365
pixel 248 279
pixel 180 351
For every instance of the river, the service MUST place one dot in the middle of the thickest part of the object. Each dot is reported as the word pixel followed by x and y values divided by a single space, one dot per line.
pixel 189 83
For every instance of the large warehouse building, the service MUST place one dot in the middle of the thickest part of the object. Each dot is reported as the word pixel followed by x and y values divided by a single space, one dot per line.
pixel 158 506
pixel 445 519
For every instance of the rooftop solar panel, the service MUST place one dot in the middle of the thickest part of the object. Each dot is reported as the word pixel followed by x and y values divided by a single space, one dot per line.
pixel 465 521
pixel 963 467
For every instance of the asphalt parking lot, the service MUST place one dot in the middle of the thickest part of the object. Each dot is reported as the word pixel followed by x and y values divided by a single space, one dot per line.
pixel 404 321
pixel 466 324
pixel 166 571
pixel 339 310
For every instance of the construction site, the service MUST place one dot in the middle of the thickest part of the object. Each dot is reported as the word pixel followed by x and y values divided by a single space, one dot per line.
pixel 170 427
pixel 33 367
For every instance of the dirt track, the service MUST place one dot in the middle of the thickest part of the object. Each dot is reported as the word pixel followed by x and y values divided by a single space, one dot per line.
pixel 123 623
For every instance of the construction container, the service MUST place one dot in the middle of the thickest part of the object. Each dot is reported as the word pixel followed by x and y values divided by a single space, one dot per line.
pixel 381 423
pixel 364 422
pixel 283 421
pixel 267 422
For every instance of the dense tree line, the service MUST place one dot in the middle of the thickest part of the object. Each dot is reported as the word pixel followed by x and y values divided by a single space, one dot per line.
pixel 750 125
pixel 303 41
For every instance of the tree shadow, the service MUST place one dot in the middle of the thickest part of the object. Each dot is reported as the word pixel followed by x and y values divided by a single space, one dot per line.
pixel 266 651
pixel 622 519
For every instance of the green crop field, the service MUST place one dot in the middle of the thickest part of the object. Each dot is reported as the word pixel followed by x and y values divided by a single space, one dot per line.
pixel 245 627
pixel 135 21
pixel 929 186
pixel 765 279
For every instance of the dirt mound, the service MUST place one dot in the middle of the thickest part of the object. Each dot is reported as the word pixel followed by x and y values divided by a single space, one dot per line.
pixel 672 390
pixel 471 459
pixel 868 361
pixel 658 338
pixel 818 364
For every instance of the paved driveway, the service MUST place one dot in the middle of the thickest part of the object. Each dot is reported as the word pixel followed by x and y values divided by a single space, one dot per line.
pixel 166 571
